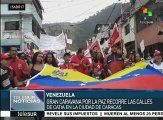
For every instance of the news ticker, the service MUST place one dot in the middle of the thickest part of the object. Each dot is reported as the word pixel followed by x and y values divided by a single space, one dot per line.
pixel 81 103
pixel 82 113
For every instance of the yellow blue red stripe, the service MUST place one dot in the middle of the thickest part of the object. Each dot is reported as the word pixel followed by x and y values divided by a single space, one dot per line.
pixel 139 77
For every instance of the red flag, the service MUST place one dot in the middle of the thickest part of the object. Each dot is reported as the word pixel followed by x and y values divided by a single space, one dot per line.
pixel 115 37
pixel 27 50
pixel 96 44
pixel 86 46
pixel 87 51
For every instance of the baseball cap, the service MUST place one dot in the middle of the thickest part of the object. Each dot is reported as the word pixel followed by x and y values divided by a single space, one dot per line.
pixel 5 56
pixel 157 53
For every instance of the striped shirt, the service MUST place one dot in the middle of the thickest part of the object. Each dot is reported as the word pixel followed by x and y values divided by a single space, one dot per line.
pixel 6 77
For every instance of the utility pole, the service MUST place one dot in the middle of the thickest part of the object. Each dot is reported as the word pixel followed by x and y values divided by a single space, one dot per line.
pixel 136 44
pixel 135 28
pixel 21 32
pixel 122 41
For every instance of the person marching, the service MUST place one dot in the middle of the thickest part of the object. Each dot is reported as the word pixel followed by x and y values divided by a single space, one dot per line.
pixel 67 64
pixel 19 66
pixel 115 60
pixel 158 61
pixel 80 62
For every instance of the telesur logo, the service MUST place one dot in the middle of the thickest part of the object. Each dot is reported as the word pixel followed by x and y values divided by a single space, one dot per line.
pixel 147 14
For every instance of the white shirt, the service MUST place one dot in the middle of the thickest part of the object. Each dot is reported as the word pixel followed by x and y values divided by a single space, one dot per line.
pixel 158 67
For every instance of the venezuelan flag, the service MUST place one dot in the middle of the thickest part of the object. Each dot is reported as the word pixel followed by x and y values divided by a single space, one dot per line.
pixel 139 77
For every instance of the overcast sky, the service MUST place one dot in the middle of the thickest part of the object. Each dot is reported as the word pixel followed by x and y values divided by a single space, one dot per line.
pixel 73 10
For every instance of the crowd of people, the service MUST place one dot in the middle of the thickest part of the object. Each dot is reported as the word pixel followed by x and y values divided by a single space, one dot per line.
pixel 17 69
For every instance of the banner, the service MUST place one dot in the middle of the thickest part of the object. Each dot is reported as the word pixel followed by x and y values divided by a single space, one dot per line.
pixel 29 37
pixel 52 43
pixel 69 41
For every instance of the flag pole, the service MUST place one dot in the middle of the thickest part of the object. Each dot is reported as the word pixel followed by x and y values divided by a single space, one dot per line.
pixel 100 48
pixel 122 42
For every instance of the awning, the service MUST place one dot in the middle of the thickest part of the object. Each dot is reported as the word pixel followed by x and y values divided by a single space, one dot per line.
pixel 150 34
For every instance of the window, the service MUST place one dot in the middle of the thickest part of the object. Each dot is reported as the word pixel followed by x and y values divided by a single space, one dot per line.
pixel 161 15
pixel 127 29
pixel 12 25
pixel 33 27
pixel 36 30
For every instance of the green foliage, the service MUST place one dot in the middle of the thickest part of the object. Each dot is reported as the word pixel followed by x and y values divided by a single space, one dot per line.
pixel 79 32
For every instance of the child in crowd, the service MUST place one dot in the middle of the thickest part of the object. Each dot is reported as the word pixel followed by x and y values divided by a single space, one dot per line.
pixel 96 73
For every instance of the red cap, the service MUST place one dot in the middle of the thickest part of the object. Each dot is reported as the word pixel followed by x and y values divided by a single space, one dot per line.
pixel 157 52
pixel 5 56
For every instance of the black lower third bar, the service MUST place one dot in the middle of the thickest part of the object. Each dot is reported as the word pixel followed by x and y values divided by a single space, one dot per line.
pixel 27 113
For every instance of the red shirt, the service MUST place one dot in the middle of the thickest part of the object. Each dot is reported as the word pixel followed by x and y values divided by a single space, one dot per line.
pixel 16 65
pixel 75 59
pixel 98 64
pixel 69 66
pixel 86 62
pixel 115 62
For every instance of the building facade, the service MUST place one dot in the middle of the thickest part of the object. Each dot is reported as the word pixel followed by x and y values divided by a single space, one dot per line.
pixel 144 22
pixel 128 31
pixel 21 24
pixel 148 29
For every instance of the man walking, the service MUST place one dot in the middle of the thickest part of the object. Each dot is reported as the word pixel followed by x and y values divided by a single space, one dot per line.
pixel 18 65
